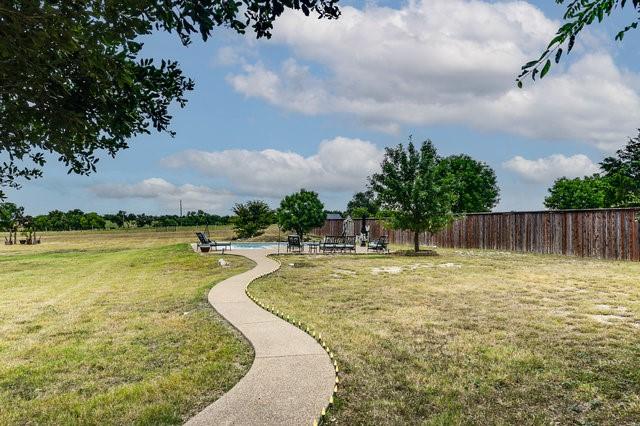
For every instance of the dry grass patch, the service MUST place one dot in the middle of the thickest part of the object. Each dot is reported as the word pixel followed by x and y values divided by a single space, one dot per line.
pixel 472 337
pixel 113 332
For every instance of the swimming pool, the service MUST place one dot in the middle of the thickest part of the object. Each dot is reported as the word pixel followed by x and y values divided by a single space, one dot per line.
pixel 256 246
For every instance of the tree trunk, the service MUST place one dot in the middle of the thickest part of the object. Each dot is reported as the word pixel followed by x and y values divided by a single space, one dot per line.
pixel 416 241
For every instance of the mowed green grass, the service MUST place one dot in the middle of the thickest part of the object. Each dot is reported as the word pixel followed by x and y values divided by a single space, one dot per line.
pixel 113 330
pixel 472 337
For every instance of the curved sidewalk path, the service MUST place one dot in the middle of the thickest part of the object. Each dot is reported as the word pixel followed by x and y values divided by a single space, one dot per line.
pixel 292 377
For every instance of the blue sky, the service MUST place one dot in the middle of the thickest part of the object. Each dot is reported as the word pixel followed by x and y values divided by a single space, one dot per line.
pixel 316 105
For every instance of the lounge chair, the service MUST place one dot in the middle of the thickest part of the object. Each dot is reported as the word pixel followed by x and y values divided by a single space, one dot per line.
pixel 206 242
pixel 379 245
pixel 294 244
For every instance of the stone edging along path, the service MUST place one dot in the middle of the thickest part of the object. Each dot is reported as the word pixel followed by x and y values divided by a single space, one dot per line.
pixel 293 377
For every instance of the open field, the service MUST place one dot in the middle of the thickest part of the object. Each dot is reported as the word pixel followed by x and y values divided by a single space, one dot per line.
pixel 113 329
pixel 133 237
pixel 472 337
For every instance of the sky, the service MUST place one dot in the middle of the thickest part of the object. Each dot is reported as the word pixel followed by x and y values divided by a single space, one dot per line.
pixel 315 106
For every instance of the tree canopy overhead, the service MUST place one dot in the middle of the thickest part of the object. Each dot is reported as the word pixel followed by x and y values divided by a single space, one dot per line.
pixel 73 82
pixel 578 15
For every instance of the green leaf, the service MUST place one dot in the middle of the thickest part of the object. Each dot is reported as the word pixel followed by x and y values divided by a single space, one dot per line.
pixel 545 69
pixel 558 55
pixel 557 39
pixel 545 53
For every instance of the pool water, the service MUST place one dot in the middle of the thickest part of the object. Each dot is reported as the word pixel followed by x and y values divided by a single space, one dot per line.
pixel 255 246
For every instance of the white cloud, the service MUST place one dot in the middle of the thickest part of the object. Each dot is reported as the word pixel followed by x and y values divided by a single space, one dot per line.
pixel 228 56
pixel 293 87
pixel 544 170
pixel 445 61
pixel 167 194
pixel 341 165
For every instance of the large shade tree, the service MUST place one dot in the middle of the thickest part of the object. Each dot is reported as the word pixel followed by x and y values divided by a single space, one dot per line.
pixel 618 185
pixel 10 217
pixel 251 218
pixel 476 185
pixel 363 205
pixel 415 190
pixel 301 212
pixel 623 174
pixel 588 192
pixel 75 83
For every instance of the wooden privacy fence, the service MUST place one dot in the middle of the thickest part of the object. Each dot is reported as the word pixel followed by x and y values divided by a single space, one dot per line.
pixel 601 233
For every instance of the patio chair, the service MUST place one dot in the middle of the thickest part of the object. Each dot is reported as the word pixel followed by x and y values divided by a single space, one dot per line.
pixel 211 244
pixel 349 243
pixel 342 243
pixel 329 244
pixel 379 245
pixel 294 244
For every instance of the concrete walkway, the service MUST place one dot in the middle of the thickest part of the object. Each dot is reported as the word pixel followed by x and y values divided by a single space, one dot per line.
pixel 292 377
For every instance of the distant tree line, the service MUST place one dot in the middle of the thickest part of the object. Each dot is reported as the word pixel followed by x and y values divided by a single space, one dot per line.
pixel 77 220
pixel 618 185
pixel 192 218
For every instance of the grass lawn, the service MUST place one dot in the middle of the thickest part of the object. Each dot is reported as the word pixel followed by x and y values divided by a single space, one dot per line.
pixel 133 237
pixel 113 329
pixel 472 337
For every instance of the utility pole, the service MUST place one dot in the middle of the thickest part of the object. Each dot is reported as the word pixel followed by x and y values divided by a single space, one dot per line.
pixel 180 208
